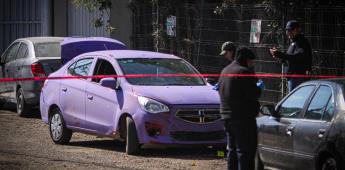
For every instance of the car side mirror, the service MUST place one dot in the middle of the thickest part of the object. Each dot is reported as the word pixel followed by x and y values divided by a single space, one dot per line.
pixel 109 82
pixel 211 81
pixel 269 110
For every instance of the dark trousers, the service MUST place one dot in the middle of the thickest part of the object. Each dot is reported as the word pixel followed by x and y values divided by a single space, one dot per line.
pixel 242 144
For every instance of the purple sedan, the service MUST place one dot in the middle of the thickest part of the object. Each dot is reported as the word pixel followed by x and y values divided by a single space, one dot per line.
pixel 139 110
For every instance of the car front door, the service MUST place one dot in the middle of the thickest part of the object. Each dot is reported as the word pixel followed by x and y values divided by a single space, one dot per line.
pixel 311 131
pixel 101 102
pixel 276 134
pixel 72 93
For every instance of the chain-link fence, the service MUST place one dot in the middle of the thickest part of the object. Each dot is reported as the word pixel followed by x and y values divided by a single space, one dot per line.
pixel 200 33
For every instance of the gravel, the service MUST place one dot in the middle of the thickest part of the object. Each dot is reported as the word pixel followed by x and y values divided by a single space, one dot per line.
pixel 25 144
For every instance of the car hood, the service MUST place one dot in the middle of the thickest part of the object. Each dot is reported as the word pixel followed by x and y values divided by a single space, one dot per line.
pixel 179 94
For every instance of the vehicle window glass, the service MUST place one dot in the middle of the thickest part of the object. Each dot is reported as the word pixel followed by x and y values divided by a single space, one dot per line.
pixel 153 67
pixel 329 110
pixel 22 52
pixel 81 67
pixel 293 105
pixel 319 102
pixel 48 49
pixel 103 67
pixel 12 53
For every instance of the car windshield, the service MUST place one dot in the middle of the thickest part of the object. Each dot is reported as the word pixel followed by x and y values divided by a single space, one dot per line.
pixel 155 67
pixel 48 49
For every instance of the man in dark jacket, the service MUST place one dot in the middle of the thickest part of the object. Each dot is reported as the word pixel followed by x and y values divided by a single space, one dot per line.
pixel 239 108
pixel 298 55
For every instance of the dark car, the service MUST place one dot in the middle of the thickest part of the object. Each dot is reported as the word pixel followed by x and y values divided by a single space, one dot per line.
pixel 306 129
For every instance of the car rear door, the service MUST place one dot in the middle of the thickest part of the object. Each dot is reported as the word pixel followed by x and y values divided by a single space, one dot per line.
pixel 311 131
pixel 101 102
pixel 276 134
pixel 8 69
pixel 72 92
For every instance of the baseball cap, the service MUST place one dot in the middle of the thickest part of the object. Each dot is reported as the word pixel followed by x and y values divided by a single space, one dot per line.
pixel 292 24
pixel 227 46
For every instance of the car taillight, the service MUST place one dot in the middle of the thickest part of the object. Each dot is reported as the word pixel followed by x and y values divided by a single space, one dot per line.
pixel 37 70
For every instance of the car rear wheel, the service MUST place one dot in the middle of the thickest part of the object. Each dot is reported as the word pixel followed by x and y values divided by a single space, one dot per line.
pixel 57 128
pixel 132 142
pixel 329 164
pixel 22 108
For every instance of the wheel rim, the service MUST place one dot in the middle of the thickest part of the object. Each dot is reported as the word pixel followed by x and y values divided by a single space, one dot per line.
pixel 19 102
pixel 329 164
pixel 56 127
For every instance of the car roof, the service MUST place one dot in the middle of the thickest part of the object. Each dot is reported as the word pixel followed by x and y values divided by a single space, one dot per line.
pixel 340 81
pixel 36 40
pixel 122 54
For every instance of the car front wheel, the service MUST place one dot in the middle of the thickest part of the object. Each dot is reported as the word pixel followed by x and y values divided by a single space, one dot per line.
pixel 132 142
pixel 329 164
pixel 57 128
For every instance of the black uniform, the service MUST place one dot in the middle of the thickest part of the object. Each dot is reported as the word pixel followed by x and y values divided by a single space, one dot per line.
pixel 299 59
pixel 238 95
pixel 298 56
pixel 239 108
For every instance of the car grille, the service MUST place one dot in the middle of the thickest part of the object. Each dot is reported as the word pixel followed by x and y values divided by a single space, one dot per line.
pixel 199 115
pixel 198 136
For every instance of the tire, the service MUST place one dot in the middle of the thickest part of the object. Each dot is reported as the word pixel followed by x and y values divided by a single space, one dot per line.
pixel 57 128
pixel 132 142
pixel 23 109
pixel 330 164
pixel 259 165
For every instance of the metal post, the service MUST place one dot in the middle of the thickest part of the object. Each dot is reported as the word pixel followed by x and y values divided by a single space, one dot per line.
pixel 157 22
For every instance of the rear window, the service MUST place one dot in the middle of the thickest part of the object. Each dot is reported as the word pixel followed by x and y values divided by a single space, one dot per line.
pixel 49 49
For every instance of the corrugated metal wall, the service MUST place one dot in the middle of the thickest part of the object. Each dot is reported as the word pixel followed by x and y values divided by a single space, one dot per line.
pixel 23 18
pixel 81 22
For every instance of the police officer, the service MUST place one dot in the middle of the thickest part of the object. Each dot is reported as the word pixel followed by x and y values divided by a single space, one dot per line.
pixel 239 108
pixel 298 55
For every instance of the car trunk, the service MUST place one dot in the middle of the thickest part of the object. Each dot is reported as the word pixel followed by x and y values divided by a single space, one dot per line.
pixel 72 47
pixel 50 64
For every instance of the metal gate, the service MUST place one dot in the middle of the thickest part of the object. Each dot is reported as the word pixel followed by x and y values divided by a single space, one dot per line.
pixel 20 18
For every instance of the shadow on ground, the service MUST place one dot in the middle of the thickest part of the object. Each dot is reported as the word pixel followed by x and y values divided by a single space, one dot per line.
pixel 189 153
pixel 11 107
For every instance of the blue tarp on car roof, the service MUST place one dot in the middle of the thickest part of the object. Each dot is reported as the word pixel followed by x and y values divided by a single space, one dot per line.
pixel 74 46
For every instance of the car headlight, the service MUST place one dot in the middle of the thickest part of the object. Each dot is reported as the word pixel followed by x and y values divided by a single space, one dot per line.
pixel 152 106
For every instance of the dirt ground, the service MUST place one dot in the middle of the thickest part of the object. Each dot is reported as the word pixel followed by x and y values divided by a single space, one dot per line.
pixel 25 144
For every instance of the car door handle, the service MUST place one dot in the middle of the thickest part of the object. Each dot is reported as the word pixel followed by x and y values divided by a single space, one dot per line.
pixel 321 133
pixel 64 89
pixel 89 97
pixel 289 130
